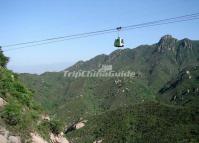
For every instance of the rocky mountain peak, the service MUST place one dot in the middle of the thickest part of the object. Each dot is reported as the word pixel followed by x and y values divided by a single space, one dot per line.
pixel 167 42
pixel 167 39
pixel 186 43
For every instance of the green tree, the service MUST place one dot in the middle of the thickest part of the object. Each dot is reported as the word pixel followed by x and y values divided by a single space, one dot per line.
pixel 3 60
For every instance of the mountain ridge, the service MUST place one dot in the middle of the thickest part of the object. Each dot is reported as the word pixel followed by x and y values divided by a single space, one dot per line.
pixel 166 42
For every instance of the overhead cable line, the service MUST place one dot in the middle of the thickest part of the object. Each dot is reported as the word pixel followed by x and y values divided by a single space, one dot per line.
pixel 101 32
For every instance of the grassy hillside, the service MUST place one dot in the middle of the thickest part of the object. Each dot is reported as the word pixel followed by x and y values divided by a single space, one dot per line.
pixel 20 114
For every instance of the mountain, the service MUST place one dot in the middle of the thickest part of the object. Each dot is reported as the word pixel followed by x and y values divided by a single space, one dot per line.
pixel 154 65
pixel 161 60
pixel 158 104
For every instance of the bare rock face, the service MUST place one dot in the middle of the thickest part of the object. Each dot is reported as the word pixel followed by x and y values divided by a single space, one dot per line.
pixel 37 138
pixel 2 102
pixel 5 137
pixel 14 139
pixel 79 125
pixel 58 139
pixel 98 141
pixel 45 117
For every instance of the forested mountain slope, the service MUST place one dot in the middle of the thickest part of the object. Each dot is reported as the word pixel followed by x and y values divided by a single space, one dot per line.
pixel 154 65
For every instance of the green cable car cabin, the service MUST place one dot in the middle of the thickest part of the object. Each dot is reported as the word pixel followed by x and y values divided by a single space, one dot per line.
pixel 119 42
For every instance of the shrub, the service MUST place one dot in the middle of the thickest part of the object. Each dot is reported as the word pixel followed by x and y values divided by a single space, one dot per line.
pixel 55 126
pixel 11 114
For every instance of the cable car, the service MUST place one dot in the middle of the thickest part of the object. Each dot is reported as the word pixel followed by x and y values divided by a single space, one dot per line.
pixel 119 42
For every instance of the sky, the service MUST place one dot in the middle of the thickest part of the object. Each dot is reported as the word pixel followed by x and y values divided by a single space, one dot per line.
pixel 29 20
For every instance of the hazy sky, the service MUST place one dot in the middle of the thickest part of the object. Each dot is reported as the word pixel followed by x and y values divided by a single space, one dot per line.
pixel 27 20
